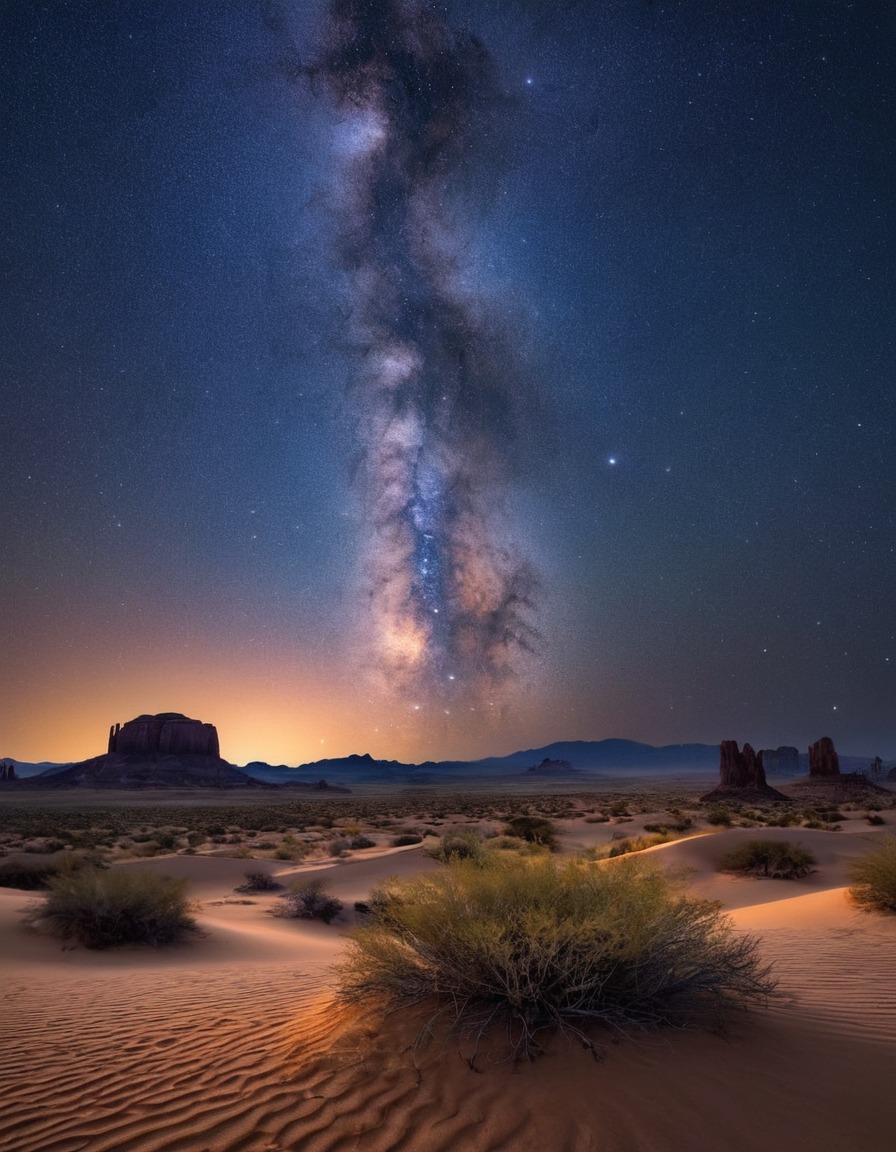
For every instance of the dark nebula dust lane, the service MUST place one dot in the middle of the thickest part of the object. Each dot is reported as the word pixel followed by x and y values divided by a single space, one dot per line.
pixel 370 360
pixel 434 393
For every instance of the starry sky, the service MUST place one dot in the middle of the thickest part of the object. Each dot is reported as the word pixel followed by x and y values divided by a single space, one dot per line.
pixel 437 380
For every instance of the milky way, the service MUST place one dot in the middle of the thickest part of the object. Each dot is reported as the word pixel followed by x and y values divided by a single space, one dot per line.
pixel 451 597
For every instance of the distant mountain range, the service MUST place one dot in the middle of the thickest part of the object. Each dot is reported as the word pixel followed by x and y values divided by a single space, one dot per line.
pixel 584 758
pixel 607 757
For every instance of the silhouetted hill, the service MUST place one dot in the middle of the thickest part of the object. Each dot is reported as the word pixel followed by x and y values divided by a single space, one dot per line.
pixel 25 769
pixel 131 770
pixel 608 757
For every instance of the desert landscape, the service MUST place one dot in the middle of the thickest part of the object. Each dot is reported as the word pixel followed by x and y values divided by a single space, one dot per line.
pixel 449 641
pixel 233 1039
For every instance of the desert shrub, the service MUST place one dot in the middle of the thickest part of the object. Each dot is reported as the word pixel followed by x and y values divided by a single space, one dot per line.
pixel 823 816
pixel 513 844
pixel 719 816
pixel 462 844
pixel 145 850
pixel 406 838
pixel 309 901
pixel 874 878
pixel 101 909
pixel 258 881
pixel 21 874
pixel 782 820
pixel 635 844
pixel 597 818
pixel 534 829
pixel 33 876
pixel 873 818
pixel 338 847
pixel 778 859
pixel 545 944
pixel 291 851
pixel 682 824
pixel 362 842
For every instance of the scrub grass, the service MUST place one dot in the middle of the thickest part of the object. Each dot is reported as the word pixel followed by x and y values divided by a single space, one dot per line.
pixel 539 944
pixel 103 909
pixel 308 900
pixel 874 878
pixel 777 859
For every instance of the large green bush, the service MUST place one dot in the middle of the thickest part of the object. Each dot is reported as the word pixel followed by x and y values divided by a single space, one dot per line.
pixel 547 944
pixel 101 909
pixel 778 859
pixel 874 878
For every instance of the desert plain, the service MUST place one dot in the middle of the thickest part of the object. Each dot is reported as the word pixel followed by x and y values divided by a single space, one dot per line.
pixel 233 1040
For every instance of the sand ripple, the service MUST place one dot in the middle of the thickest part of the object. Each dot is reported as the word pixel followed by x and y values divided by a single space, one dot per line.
pixel 259 1060
pixel 163 1060
pixel 842 976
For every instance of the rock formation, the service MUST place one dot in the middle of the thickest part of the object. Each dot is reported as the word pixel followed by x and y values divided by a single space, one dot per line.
pixel 550 767
pixel 824 763
pixel 826 782
pixel 783 761
pixel 7 771
pixel 165 751
pixel 741 776
pixel 167 734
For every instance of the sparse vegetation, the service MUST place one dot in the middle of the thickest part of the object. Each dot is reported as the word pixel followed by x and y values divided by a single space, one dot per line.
pixel 103 909
pixel 874 878
pixel 534 829
pixel 33 875
pixel 543 944
pixel 405 839
pixel 27 876
pixel 777 859
pixel 309 901
pixel 257 881
pixel 627 844
pixel 461 844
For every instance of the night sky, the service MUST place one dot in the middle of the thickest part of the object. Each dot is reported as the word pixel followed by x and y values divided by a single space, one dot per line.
pixel 444 379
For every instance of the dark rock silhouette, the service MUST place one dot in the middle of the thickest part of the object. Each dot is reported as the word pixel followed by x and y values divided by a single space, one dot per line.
pixel 782 761
pixel 739 769
pixel 168 733
pixel 891 775
pixel 128 770
pixel 741 776
pixel 825 780
pixel 7 771
pixel 550 767
pixel 824 763
pixel 165 751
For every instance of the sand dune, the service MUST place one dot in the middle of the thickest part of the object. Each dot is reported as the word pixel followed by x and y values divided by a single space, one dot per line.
pixel 231 1042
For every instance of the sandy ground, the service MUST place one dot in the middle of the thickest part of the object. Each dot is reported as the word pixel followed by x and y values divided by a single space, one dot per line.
pixel 231 1042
